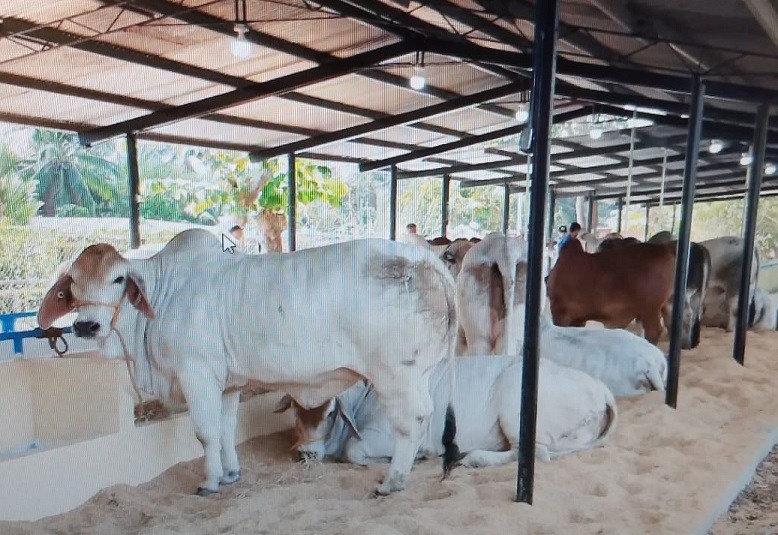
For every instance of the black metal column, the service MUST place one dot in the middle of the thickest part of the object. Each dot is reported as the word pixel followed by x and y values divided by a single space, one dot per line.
pixel 621 210
pixel 393 203
pixel 291 224
pixel 752 204
pixel 506 208
pixel 551 212
pixel 684 231
pixel 134 187
pixel 590 214
pixel 648 216
pixel 543 82
pixel 444 205
pixel 675 215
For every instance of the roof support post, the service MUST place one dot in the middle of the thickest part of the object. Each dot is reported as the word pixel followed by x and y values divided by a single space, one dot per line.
pixel 543 85
pixel 291 177
pixel 621 209
pixel 590 214
pixel 752 203
pixel 684 231
pixel 445 200
pixel 134 189
pixel 648 216
pixel 506 208
pixel 393 203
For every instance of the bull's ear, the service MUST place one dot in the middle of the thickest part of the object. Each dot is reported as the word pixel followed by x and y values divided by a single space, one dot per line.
pixel 57 302
pixel 349 422
pixel 284 404
pixel 136 293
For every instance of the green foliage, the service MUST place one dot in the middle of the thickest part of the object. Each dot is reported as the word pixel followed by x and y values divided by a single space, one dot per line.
pixel 18 200
pixel 68 174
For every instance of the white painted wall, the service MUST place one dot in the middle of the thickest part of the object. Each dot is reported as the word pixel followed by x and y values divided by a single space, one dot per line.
pixel 80 409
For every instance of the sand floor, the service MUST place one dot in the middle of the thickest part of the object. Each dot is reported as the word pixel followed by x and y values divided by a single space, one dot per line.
pixel 662 473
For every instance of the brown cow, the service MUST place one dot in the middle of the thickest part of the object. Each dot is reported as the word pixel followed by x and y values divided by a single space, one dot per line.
pixel 613 287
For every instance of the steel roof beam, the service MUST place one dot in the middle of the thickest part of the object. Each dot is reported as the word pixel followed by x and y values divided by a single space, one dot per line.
pixel 402 119
pixel 467 142
pixel 253 92
pixel 603 73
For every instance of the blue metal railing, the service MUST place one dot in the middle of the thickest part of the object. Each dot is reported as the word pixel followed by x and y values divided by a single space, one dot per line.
pixel 8 331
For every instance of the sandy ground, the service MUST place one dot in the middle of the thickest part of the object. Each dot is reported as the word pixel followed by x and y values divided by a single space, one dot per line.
pixel 662 473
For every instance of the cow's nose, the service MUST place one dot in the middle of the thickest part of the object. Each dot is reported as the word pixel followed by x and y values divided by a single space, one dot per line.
pixel 86 329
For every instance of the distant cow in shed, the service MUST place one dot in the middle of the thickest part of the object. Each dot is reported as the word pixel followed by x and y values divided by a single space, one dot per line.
pixel 490 295
pixel 663 236
pixel 697 280
pixel 613 287
pixel 721 300
pixel 762 312
pixel 610 243
pixel 440 240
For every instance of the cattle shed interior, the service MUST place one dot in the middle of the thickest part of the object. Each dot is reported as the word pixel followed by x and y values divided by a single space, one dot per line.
pixel 437 88
pixel 330 80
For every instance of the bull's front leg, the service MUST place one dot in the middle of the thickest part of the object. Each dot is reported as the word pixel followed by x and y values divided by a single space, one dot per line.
pixel 204 398
pixel 408 406
pixel 229 455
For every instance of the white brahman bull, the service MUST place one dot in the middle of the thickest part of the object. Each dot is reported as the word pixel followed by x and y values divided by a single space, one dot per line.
pixel 721 299
pixel 628 364
pixel 490 296
pixel 199 323
pixel 762 314
pixel 575 412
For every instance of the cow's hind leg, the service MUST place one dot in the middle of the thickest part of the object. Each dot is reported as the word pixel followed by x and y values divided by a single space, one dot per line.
pixel 480 458
pixel 230 463
pixel 204 399
pixel 407 404
pixel 652 327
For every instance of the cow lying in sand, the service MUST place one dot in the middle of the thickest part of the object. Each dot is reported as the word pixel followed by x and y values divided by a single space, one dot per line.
pixel 310 323
pixel 575 413
pixel 628 364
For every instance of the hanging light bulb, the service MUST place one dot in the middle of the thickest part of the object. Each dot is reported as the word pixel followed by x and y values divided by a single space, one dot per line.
pixel 240 46
pixel 715 146
pixel 746 158
pixel 595 132
pixel 770 169
pixel 522 114
pixel 418 81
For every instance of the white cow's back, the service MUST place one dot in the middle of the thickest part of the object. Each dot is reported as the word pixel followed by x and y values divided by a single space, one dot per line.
pixel 290 319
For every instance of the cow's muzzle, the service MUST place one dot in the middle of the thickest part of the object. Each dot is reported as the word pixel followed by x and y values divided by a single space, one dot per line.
pixel 86 329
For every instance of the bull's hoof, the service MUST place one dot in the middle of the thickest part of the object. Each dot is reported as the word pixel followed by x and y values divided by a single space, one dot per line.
pixel 377 493
pixel 202 491
pixel 232 476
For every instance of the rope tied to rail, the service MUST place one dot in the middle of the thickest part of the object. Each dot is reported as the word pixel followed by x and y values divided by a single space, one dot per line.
pixel 54 335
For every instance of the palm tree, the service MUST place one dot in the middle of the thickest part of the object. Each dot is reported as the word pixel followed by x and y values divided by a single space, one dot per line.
pixel 18 201
pixel 71 178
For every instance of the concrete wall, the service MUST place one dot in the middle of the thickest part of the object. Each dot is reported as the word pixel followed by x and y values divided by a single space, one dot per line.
pixel 79 410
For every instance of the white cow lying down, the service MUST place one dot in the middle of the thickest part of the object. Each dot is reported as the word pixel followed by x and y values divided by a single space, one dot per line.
pixel 628 364
pixel 575 412
pixel 200 323
pixel 762 314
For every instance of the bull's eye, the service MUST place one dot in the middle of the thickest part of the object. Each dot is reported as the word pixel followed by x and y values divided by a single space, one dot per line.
pixel 60 295
pixel 118 280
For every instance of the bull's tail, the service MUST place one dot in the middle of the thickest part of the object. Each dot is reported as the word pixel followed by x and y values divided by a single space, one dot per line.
pixel 611 419
pixel 451 453
pixel 506 263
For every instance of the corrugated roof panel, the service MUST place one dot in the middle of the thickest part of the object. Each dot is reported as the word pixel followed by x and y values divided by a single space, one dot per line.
pixel 197 128
pixel 280 111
